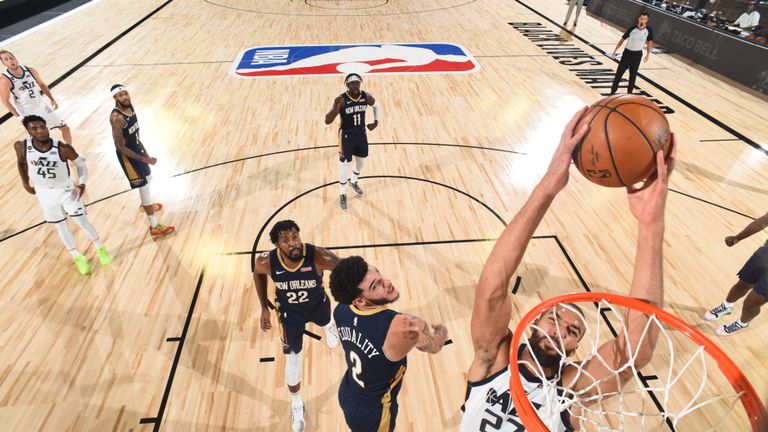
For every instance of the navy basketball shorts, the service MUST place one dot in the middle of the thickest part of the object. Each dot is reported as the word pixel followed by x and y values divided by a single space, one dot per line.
pixel 136 171
pixel 353 143
pixel 363 415
pixel 293 322
pixel 755 271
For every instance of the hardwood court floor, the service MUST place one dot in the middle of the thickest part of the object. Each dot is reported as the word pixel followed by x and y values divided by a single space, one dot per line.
pixel 169 332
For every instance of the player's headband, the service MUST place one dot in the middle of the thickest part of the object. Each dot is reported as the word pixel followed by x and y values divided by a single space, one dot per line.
pixel 352 77
pixel 118 90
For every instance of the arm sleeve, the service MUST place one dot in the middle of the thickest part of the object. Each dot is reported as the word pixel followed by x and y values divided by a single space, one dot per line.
pixel 650 35
pixel 626 33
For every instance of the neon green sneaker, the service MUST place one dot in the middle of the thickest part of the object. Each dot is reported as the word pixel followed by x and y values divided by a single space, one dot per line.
pixel 104 257
pixel 83 266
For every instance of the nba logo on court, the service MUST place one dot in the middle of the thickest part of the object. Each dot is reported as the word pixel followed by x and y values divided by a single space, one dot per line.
pixel 343 59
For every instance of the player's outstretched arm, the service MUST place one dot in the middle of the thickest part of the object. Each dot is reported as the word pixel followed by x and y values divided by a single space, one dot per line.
pixel 44 88
pixel 647 205
pixel 407 332
pixel 754 227
pixel 492 309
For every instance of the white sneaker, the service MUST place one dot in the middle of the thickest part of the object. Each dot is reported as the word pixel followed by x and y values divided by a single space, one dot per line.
pixel 729 329
pixel 331 338
pixel 717 312
pixel 297 418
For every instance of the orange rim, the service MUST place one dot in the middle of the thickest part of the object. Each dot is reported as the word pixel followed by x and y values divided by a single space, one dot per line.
pixel 750 400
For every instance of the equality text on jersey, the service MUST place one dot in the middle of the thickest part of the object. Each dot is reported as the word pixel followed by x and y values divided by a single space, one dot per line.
pixel 357 338
pixel 296 284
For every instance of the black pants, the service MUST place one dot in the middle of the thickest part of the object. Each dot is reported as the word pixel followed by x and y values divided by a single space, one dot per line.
pixel 631 60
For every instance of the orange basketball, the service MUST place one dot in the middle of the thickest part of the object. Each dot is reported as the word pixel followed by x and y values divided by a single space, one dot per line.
pixel 620 148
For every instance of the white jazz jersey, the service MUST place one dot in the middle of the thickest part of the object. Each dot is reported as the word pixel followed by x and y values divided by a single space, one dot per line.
pixel 488 405
pixel 47 169
pixel 26 93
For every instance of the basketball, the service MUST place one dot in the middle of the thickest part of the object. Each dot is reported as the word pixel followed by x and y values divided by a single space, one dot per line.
pixel 620 147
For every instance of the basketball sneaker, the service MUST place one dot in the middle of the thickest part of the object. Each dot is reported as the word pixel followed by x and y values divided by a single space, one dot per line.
pixel 729 329
pixel 104 257
pixel 297 418
pixel 83 266
pixel 156 206
pixel 161 230
pixel 343 202
pixel 331 338
pixel 718 311
pixel 358 190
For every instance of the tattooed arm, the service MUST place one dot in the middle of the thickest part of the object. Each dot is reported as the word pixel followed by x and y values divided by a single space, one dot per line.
pixel 407 332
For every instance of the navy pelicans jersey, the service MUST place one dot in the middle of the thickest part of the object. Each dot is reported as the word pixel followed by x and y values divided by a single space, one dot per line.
pixel 26 93
pixel 131 131
pixel 353 112
pixel 488 404
pixel 299 288
pixel 369 372
pixel 47 169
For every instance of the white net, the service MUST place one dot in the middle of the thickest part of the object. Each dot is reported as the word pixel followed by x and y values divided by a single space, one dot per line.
pixel 679 389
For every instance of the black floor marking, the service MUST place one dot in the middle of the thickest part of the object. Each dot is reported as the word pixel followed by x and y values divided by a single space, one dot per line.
pixel 380 245
pixel 312 335
pixel 650 377
pixel 266 359
pixel 173 339
pixel 269 220
pixel 664 90
pixel 720 140
pixel 159 64
pixel 518 281
pixel 500 150
pixel 448 341
pixel 103 48
pixel 712 204
pixel 159 419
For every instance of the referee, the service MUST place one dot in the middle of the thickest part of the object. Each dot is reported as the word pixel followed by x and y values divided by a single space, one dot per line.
pixel 635 36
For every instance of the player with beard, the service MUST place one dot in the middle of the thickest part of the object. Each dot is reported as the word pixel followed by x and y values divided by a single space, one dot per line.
pixel 133 156
pixel 297 269
pixel 376 341
pixel 488 402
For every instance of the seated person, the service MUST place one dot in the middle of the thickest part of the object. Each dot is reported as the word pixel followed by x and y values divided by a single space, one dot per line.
pixel 748 19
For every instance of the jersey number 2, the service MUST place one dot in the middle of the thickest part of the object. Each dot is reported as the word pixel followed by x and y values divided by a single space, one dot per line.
pixel 357 368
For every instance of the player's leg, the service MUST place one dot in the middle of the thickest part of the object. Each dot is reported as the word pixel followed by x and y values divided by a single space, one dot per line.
pixel 321 315
pixel 51 203
pixel 578 12
pixel 54 121
pixel 752 304
pixel 292 334
pixel 345 160
pixel 571 5
pixel 360 153
pixel 749 275
pixel 75 208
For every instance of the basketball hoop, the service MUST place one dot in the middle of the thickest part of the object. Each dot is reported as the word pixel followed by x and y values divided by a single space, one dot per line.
pixel 585 412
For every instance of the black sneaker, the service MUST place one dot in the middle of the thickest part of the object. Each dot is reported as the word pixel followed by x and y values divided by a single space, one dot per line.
pixel 358 190
pixel 343 202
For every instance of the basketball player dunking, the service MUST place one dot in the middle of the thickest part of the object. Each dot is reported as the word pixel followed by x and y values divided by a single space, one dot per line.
pixel 489 372
pixel 47 160
pixel 353 141
pixel 297 269
pixel 376 341
pixel 133 157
